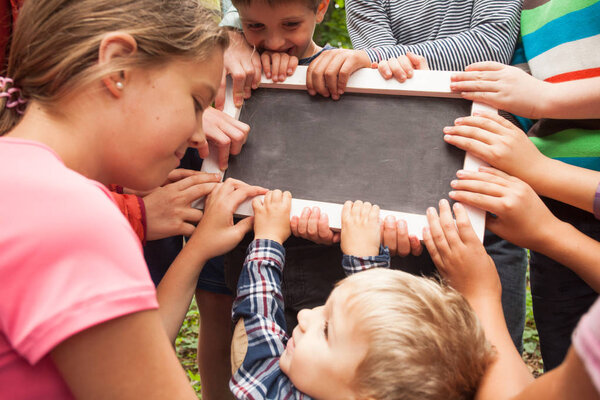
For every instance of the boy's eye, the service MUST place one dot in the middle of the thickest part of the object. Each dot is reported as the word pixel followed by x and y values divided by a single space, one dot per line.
pixel 325 331
pixel 255 27
pixel 291 25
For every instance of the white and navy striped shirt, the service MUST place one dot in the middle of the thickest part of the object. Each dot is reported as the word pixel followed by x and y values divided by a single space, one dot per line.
pixel 450 34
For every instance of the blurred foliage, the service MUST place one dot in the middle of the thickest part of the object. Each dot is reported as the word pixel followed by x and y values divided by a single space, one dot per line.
pixel 333 28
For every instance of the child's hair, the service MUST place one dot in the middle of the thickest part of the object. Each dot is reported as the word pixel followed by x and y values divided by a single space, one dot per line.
pixel 425 341
pixel 55 43
pixel 312 4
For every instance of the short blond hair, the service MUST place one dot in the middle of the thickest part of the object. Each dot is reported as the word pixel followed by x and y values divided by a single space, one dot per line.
pixel 55 43
pixel 424 340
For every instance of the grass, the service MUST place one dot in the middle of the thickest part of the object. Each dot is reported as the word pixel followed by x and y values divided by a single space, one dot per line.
pixel 187 344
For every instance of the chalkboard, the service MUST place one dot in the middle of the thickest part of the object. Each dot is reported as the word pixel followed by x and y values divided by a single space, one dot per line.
pixel 384 148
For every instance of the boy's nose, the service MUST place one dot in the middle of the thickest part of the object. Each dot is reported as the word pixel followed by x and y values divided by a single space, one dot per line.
pixel 274 43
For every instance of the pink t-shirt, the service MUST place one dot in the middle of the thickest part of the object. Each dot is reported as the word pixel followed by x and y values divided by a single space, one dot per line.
pixel 68 260
pixel 586 341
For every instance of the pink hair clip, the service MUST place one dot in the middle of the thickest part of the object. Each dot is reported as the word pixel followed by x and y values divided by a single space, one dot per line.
pixel 13 95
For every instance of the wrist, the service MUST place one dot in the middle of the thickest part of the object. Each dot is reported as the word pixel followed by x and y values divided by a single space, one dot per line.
pixel 551 101
pixel 270 236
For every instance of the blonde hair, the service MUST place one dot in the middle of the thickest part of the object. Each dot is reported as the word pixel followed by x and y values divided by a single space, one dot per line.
pixel 425 341
pixel 55 43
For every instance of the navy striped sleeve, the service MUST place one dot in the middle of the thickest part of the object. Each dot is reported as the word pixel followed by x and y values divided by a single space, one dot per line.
pixel 450 34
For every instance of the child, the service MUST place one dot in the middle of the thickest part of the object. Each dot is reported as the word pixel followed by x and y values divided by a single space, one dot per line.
pixel 382 334
pixel 79 311
pixel 464 264
pixel 563 93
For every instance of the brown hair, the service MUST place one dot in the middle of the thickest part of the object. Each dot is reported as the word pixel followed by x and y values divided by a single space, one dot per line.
pixel 56 42
pixel 425 341
pixel 312 4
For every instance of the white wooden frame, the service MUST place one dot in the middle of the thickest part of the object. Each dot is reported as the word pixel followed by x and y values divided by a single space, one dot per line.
pixel 423 83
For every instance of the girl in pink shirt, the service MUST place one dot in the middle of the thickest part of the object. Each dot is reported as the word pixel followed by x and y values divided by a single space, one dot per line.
pixel 99 92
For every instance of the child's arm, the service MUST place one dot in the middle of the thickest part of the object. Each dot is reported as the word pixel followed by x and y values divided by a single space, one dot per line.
pixel 259 302
pixel 216 234
pixel 513 90
pixel 523 219
pixel 491 35
pixel 498 142
pixel 360 238
pixel 462 260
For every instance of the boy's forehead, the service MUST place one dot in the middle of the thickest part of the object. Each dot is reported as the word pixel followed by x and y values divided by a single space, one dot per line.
pixel 247 4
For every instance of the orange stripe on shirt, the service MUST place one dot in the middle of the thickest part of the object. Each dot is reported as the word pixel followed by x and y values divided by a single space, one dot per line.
pixel 574 75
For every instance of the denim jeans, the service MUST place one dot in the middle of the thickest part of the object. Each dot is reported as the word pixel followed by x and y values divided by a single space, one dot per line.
pixel 559 296
pixel 312 270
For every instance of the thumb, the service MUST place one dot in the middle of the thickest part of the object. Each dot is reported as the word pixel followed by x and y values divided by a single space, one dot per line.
pixel 244 226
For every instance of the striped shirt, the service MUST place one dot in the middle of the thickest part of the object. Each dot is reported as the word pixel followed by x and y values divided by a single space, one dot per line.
pixel 259 303
pixel 450 34
pixel 559 43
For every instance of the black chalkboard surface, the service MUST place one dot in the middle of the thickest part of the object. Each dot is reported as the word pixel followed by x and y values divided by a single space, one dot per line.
pixel 388 150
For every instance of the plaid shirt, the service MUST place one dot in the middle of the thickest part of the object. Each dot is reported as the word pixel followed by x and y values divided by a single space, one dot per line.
pixel 260 303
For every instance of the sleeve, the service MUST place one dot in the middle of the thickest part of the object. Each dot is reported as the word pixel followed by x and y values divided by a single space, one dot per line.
pixel 83 266
pixel 352 264
pixel 134 210
pixel 231 18
pixel 586 341
pixel 259 303
pixel 491 36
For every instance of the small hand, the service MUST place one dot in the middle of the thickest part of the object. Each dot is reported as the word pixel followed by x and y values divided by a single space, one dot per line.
pixel 459 256
pixel 225 132
pixel 278 66
pixel 520 215
pixel 361 230
pixel 216 233
pixel 395 237
pixel 498 142
pixel 402 68
pixel 272 216
pixel 328 74
pixel 503 87
pixel 168 208
pixel 242 62
pixel 314 226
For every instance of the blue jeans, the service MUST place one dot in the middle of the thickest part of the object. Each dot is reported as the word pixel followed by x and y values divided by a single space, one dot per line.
pixel 312 270
pixel 559 296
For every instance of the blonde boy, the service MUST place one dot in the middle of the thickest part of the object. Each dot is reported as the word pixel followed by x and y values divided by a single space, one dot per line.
pixel 382 334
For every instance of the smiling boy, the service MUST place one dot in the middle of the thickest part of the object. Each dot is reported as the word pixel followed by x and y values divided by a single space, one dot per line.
pixel 380 333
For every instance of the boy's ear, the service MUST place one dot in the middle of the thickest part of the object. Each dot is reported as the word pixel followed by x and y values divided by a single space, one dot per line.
pixel 115 46
pixel 321 10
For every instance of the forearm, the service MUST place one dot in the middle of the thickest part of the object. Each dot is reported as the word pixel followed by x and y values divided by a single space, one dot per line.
pixel 564 182
pixel 508 374
pixel 578 99
pixel 352 264
pixel 176 289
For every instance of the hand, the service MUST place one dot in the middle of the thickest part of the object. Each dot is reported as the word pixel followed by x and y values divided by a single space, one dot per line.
pixel 216 233
pixel 521 216
pixel 328 74
pixel 361 231
pixel 225 132
pixel 394 235
pixel 402 67
pixel 314 226
pixel 242 62
pixel 498 142
pixel 272 216
pixel 278 66
pixel 459 256
pixel 168 208
pixel 504 87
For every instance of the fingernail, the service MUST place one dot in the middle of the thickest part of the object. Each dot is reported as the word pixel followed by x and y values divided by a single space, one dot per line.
pixel 452 193
pixel 460 173
pixel 447 129
pixel 458 120
pixel 430 210
pixel 443 202
pixel 453 183
pixel 268 75
pixel 289 71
